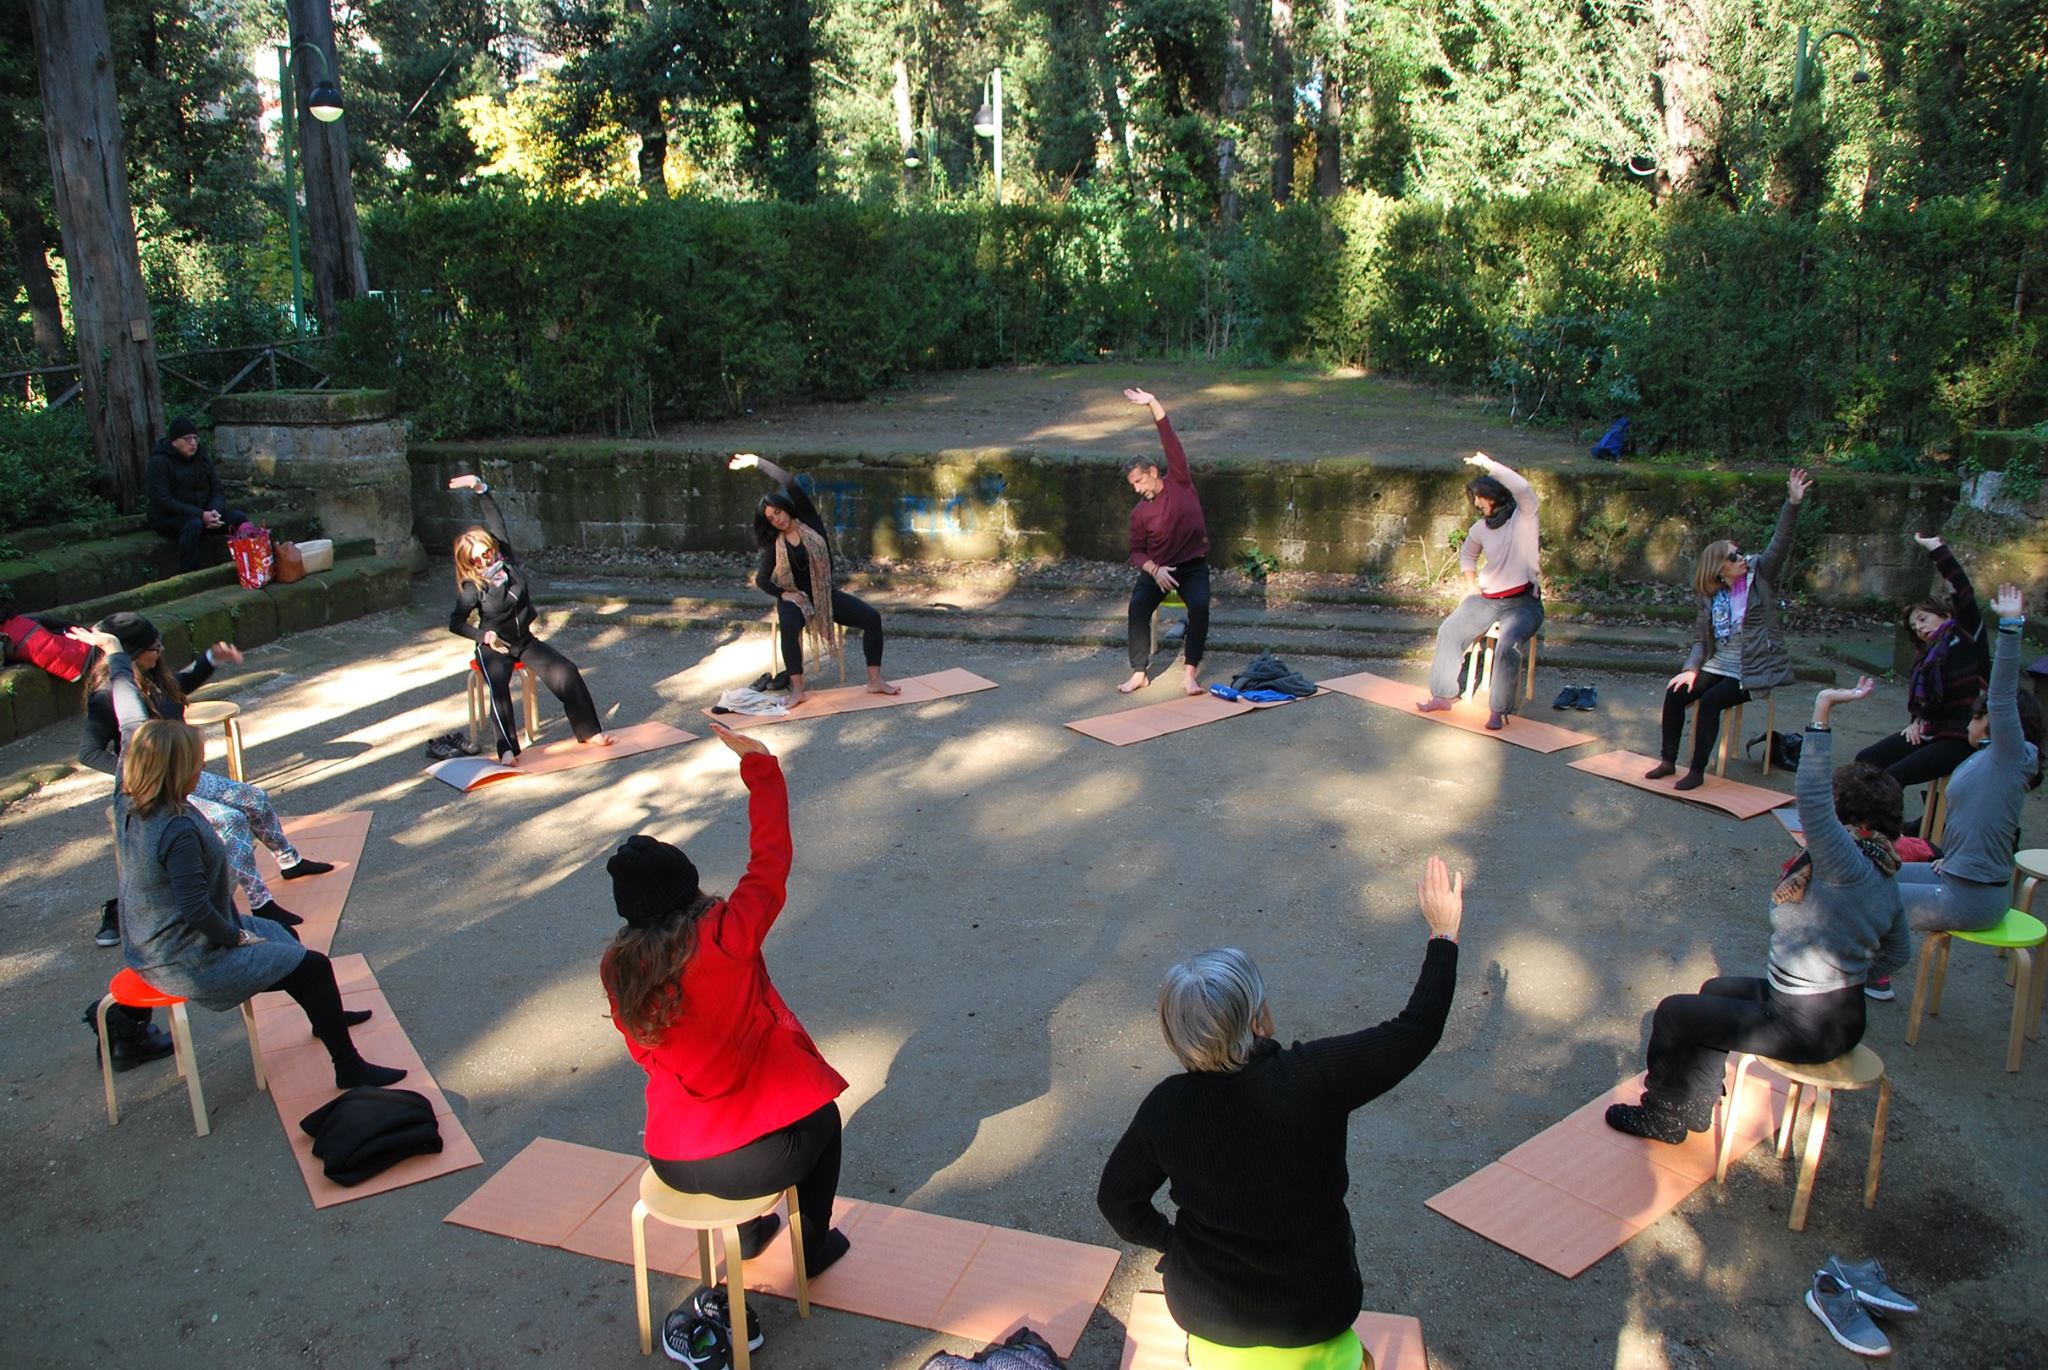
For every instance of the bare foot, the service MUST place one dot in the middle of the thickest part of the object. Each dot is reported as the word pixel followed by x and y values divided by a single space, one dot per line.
pixel 1190 682
pixel 600 740
pixel 1434 704
pixel 508 758
pixel 879 686
pixel 1136 682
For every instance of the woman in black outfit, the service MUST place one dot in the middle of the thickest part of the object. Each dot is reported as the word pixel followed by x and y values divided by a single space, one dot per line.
pixel 1947 682
pixel 796 568
pixel 1251 1138
pixel 491 587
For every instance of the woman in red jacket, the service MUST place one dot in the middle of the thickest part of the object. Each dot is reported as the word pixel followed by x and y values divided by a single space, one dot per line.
pixel 739 1100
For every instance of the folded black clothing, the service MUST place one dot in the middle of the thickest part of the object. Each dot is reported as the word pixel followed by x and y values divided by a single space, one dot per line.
pixel 1268 672
pixel 368 1130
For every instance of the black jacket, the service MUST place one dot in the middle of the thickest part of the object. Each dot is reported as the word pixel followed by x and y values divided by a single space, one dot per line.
pixel 121 705
pixel 507 609
pixel 367 1131
pixel 181 487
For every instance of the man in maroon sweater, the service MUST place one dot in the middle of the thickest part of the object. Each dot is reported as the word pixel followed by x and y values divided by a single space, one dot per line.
pixel 1170 548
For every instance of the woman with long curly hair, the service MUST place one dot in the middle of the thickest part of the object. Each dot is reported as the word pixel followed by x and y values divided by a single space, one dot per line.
pixel 740 1101
pixel 491 587
pixel 796 568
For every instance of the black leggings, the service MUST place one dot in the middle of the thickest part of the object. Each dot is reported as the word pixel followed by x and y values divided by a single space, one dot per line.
pixel 847 612
pixel 1915 763
pixel 310 983
pixel 804 1154
pixel 1715 694
pixel 1692 1034
pixel 1146 597
pixel 556 672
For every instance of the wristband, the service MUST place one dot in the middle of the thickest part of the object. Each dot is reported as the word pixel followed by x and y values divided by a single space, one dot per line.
pixel 481 488
pixel 2013 623
pixel 1818 728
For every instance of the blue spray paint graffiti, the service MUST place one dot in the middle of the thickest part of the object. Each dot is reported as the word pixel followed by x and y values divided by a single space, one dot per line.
pixel 924 516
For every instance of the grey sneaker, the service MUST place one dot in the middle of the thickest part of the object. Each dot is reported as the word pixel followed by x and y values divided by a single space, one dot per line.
pixel 1839 1310
pixel 1867 1279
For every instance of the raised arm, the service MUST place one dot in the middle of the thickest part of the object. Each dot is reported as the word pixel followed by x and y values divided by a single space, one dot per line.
pixel 1962 595
pixel 1130 1178
pixel 1773 560
pixel 1357 1067
pixel 757 900
pixel 1837 859
pixel 2002 694
pixel 494 521
pixel 742 460
pixel 1516 483
pixel 1169 441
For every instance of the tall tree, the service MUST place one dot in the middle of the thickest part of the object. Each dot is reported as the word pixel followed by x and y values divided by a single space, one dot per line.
pixel 1683 82
pixel 1332 69
pixel 110 310
pixel 25 186
pixel 1281 23
pixel 331 228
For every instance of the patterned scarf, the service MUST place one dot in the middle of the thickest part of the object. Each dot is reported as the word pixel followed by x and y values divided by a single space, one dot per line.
pixel 1792 888
pixel 816 604
pixel 1930 674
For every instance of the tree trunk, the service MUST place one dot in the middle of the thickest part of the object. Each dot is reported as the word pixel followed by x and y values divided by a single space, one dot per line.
pixel 652 161
pixel 1282 18
pixel 335 239
pixel 110 310
pixel 29 235
pixel 1330 123
pixel 906 130
pixel 1683 84
pixel 1237 97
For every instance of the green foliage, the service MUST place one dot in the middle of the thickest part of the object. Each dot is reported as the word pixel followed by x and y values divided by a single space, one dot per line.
pixel 1257 563
pixel 47 471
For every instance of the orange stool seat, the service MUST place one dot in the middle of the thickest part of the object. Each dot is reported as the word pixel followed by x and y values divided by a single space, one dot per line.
pixel 132 991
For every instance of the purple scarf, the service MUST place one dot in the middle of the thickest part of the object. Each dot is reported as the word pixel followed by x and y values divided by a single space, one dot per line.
pixel 1930 674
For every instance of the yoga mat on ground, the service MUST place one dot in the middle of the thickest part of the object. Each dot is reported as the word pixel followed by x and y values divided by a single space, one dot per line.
pixel 1521 730
pixel 301 1079
pixel 1148 721
pixel 851 699
pixel 1579 1189
pixel 1154 1341
pixel 1729 796
pixel 319 899
pixel 963 1278
pixel 467 773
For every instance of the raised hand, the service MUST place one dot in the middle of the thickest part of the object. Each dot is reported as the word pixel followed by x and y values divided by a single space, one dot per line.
pixel 1442 896
pixel 92 637
pixel 1927 544
pixel 741 743
pixel 1479 459
pixel 465 483
pixel 2009 602
pixel 1136 396
pixel 1797 484
pixel 1826 700
pixel 742 461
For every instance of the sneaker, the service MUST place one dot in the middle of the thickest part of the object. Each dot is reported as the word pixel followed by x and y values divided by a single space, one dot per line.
pixel 1588 700
pixel 1842 1313
pixel 712 1305
pixel 696 1341
pixel 1879 989
pixel 109 934
pixel 1867 1280
pixel 1567 698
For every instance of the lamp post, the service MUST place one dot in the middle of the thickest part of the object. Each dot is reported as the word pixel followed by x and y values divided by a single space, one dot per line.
pixel 1806 67
pixel 988 123
pixel 324 103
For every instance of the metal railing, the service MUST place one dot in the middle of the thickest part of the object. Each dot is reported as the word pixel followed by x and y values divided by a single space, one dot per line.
pixel 263 357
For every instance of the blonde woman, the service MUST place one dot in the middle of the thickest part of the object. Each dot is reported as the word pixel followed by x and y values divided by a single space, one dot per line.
pixel 491 588
pixel 1736 651
pixel 180 930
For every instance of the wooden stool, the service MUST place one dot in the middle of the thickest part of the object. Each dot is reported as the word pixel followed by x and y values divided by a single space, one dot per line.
pixel 1731 727
pixel 702 1213
pixel 1479 663
pixel 2019 933
pixel 1934 809
pixel 1172 601
pixel 480 703
pixel 227 713
pixel 2029 869
pixel 132 990
pixel 1860 1069
pixel 775 652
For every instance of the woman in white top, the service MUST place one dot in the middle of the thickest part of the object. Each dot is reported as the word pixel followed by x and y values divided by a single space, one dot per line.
pixel 1499 558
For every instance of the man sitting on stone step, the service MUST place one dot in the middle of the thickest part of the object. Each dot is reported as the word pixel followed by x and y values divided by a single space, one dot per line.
pixel 186 501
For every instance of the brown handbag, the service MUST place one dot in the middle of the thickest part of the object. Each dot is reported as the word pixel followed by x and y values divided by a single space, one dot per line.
pixel 290 565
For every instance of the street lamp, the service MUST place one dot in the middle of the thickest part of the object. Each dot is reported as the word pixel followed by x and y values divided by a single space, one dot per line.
pixel 1806 67
pixel 324 104
pixel 988 122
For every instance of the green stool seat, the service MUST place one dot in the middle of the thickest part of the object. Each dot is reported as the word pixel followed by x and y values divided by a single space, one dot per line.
pixel 2019 933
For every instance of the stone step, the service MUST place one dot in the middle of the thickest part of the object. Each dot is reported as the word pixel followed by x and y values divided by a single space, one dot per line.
pixel 359 583
pixel 49 574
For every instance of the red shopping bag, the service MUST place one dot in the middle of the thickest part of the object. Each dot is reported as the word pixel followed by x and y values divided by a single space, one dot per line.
pixel 250 547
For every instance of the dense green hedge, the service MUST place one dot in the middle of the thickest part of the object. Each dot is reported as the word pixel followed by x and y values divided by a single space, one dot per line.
pixel 1882 335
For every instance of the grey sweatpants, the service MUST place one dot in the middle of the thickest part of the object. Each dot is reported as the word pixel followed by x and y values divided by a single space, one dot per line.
pixel 1941 903
pixel 1519 618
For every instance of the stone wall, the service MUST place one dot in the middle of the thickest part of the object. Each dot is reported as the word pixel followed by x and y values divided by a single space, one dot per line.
pixel 1632 522
pixel 339 455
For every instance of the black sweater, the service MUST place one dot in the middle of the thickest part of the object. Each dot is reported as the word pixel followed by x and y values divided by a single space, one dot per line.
pixel 121 705
pixel 507 609
pixel 1262 1252
pixel 799 559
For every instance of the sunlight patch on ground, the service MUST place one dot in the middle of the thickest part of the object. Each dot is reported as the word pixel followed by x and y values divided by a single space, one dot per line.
pixel 864 1055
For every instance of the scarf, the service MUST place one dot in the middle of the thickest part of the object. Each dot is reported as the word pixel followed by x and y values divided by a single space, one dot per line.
pixel 816 602
pixel 1930 675
pixel 1730 606
pixel 1503 510
pixel 1792 888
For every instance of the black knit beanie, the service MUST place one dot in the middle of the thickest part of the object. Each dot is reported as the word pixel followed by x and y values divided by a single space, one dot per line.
pixel 137 634
pixel 650 880
pixel 183 427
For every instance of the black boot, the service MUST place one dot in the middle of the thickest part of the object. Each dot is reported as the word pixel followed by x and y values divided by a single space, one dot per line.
pixel 109 934
pixel 131 1041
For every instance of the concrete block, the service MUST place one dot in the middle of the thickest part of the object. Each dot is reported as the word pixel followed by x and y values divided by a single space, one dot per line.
pixel 301 605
